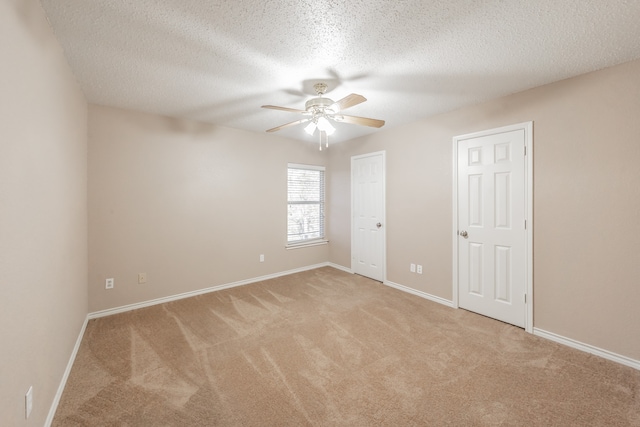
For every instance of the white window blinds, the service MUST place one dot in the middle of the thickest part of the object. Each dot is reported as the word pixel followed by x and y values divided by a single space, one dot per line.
pixel 305 199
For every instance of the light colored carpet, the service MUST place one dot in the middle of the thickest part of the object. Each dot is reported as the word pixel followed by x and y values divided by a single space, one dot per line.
pixel 327 348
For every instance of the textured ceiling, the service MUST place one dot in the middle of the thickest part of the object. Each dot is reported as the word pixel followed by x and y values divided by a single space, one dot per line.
pixel 219 61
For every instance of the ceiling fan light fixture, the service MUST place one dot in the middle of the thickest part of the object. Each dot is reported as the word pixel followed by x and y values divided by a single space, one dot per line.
pixel 325 126
pixel 310 128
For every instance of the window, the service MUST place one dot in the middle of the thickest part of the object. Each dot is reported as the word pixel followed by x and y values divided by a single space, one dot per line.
pixel 305 200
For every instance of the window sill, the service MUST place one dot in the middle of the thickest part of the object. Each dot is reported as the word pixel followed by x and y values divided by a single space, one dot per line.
pixel 306 244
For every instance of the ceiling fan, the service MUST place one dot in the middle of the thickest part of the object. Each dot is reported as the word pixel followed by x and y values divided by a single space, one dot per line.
pixel 319 111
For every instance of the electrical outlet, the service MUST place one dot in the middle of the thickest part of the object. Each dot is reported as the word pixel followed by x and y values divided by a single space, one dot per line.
pixel 28 402
pixel 261 257
pixel 142 277
pixel 108 284
pixel 419 269
pixel 412 268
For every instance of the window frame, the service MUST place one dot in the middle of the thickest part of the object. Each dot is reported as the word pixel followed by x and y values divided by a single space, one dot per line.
pixel 321 240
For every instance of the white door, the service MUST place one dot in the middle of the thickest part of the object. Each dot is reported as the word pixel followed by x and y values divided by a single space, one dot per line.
pixel 491 234
pixel 367 207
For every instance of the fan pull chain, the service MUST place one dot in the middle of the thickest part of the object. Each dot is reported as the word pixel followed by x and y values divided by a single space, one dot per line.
pixel 323 138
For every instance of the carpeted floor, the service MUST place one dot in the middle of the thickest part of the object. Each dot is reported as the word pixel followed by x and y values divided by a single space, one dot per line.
pixel 327 348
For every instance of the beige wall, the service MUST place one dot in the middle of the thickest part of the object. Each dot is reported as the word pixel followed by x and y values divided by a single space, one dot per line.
pixel 43 212
pixel 191 205
pixel 586 202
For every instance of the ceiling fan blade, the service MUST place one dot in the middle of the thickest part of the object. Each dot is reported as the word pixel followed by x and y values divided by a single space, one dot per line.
pixel 347 102
pixel 363 121
pixel 291 110
pixel 297 122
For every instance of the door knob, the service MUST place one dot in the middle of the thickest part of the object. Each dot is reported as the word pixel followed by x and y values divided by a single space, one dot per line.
pixel 464 234
pixel 378 225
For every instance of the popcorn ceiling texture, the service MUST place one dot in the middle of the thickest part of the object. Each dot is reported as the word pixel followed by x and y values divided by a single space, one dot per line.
pixel 219 61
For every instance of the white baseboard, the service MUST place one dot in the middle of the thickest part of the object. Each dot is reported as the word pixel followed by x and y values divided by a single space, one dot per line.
pixel 129 307
pixel 605 354
pixel 340 267
pixel 421 294
pixel 403 288
pixel 65 376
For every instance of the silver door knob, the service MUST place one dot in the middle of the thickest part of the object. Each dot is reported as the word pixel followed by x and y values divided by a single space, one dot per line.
pixel 378 225
pixel 464 234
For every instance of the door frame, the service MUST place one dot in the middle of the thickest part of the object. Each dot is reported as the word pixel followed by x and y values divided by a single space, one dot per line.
pixel 384 209
pixel 527 127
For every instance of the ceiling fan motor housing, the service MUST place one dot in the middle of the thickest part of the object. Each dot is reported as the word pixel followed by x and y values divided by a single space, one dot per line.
pixel 319 105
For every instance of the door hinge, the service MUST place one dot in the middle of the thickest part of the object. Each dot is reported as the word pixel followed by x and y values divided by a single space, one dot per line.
pixel 525 224
pixel 525 298
pixel 525 150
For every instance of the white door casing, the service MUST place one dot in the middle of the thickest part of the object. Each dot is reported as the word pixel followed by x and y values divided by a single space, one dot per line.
pixel 368 236
pixel 492 224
